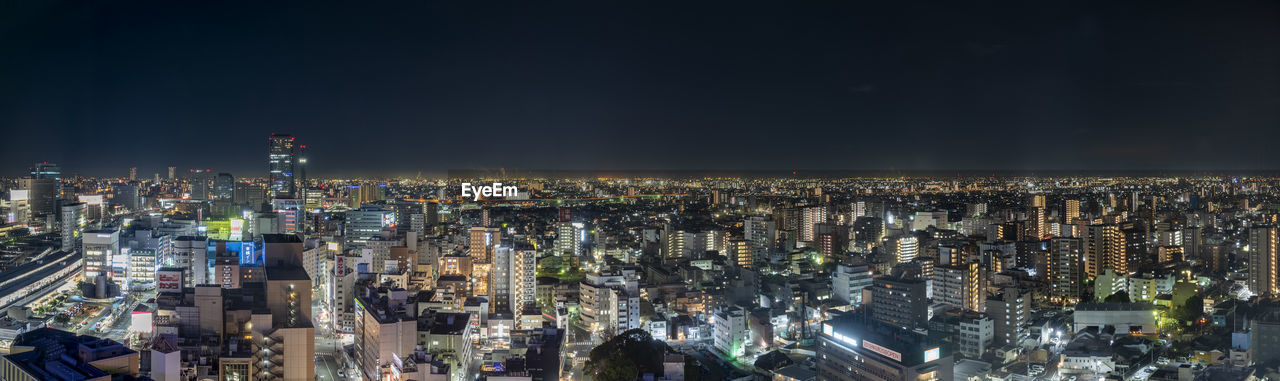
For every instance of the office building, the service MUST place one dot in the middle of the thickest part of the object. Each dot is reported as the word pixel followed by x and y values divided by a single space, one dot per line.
pixel 73 222
pixel 900 302
pixel 48 354
pixel 386 331
pixel 365 224
pixel 851 350
pixel 282 163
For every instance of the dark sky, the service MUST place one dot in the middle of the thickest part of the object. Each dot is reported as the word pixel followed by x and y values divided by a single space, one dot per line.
pixel 404 86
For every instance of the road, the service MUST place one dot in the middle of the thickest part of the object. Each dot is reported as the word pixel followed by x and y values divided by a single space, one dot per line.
pixel 327 369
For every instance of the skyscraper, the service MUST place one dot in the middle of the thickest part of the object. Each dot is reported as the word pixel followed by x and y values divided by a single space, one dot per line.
pixel 1065 272
pixel 1070 211
pixel 523 278
pixel 223 187
pixel 282 161
pixel 1104 249
pixel 73 223
pixel 1263 265
pixel 46 170
pixel 483 241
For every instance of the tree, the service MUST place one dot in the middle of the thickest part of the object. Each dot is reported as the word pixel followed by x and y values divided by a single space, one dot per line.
pixel 1118 297
pixel 626 356
pixel 1190 311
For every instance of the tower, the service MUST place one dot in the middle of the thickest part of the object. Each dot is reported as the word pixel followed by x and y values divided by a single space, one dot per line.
pixel 1262 260
pixel 282 162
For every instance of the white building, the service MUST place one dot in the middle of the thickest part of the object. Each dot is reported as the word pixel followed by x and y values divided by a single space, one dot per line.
pixel 1125 317
pixel 731 331
pixel 73 223
pixel 848 282
pixel 610 302
pixel 524 282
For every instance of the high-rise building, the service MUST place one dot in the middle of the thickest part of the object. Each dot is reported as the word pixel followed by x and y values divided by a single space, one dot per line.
pixel 483 241
pixel 904 248
pixel 385 332
pixel 900 302
pixel 959 285
pixel 1264 267
pixel 198 181
pixel 73 222
pixel 1009 311
pixel 610 301
pixel 809 217
pixel 125 195
pixel 282 162
pixel 99 248
pixel 42 195
pixel 46 170
pixel 568 239
pixel 223 187
pixel 133 173
pixel 173 173
pixel 366 223
pixel 761 234
pixel 1066 272
pixel 524 282
pixel 1104 249
pixel 1036 201
pixel 738 252
pixel 1070 211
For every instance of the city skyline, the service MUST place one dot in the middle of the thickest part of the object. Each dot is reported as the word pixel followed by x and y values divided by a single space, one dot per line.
pixel 613 191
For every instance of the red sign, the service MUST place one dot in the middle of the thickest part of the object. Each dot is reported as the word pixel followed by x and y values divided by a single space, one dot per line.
pixel 882 350
pixel 169 281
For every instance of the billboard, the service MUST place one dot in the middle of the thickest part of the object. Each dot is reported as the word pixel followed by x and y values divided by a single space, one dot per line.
pixel 886 352
pixel 237 229
pixel 932 354
pixel 247 255
pixel 169 281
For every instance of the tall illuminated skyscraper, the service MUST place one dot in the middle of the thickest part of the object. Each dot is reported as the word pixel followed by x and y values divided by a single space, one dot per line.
pixel 1104 249
pixel 1070 211
pixel 282 161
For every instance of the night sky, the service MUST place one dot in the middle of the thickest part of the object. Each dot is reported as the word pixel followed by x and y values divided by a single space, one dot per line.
pixel 399 87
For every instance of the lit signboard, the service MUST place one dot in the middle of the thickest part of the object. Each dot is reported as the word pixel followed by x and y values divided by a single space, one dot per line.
pixel 882 351
pixel 237 229
pixel 932 354
pixel 169 281
pixel 247 255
